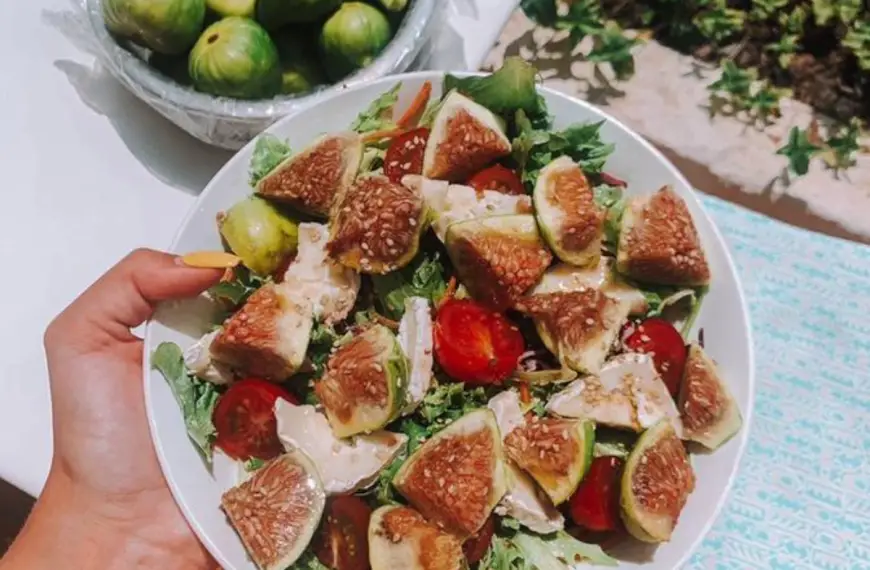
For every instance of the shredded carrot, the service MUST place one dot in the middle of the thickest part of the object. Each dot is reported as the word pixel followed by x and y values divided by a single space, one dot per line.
pixel 376 136
pixel 450 292
pixel 418 106
pixel 525 393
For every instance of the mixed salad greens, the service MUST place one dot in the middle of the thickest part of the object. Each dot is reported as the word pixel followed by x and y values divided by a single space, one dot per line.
pixel 450 342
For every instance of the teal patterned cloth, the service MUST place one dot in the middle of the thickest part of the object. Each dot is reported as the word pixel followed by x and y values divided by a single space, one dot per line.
pixel 802 498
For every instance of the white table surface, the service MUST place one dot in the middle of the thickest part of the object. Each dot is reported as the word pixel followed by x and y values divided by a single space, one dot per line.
pixel 90 173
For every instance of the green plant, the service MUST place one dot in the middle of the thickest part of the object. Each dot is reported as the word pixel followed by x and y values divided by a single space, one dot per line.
pixel 858 40
pixel 764 9
pixel 734 84
pixel 584 18
pixel 842 146
pixel 786 48
pixel 844 10
pixel 612 46
pixel 719 23
pixel 799 150
pixel 763 101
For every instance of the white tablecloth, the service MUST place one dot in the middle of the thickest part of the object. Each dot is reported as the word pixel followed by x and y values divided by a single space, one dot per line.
pixel 89 173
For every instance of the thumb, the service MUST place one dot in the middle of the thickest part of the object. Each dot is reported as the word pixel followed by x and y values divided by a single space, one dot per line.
pixel 126 295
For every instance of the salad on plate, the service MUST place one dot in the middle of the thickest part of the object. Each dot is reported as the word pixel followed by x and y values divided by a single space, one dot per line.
pixel 453 340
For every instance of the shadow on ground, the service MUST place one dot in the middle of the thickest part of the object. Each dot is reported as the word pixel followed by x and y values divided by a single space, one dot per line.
pixel 170 154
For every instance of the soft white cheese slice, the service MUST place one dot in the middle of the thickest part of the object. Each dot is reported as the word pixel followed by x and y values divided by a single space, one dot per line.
pixel 566 278
pixel 198 360
pixel 313 278
pixel 451 203
pixel 415 338
pixel 628 393
pixel 523 500
pixel 344 465
pixel 228 472
pixel 508 411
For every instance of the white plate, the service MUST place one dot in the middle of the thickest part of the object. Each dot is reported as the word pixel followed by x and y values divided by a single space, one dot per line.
pixel 724 319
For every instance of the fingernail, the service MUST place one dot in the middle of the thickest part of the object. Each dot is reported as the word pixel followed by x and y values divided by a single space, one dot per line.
pixel 209 260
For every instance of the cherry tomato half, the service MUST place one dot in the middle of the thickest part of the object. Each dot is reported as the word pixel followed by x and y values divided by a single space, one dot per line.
pixel 342 541
pixel 498 178
pixel 474 344
pixel 595 503
pixel 659 338
pixel 475 547
pixel 245 419
pixel 405 154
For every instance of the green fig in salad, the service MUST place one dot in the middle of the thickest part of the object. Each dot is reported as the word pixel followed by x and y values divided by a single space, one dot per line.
pixel 259 234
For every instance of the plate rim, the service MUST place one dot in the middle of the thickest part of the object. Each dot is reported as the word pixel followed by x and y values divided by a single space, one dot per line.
pixel 747 413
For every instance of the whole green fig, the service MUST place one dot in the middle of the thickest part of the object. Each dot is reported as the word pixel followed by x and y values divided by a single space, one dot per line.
pixel 225 8
pixel 235 57
pixel 259 234
pixel 165 26
pixel 352 38
pixel 300 69
pixel 273 14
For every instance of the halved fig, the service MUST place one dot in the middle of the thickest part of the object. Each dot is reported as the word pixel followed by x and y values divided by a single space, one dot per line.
pixel 555 452
pixel 277 510
pixel 268 337
pixel 579 327
pixel 498 258
pixel 399 537
pixel 451 203
pixel 311 180
pixel 656 483
pixel 570 220
pixel 465 137
pixel 601 276
pixel 457 477
pixel 659 244
pixel 709 413
pixel 363 388
pixel 376 225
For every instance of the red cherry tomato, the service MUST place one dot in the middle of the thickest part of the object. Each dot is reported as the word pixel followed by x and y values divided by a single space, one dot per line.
pixel 475 547
pixel 342 542
pixel 245 419
pixel 659 338
pixel 474 344
pixel 405 154
pixel 498 178
pixel 595 503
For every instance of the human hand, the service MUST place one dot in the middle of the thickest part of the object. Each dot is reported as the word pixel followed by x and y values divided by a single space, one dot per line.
pixel 105 480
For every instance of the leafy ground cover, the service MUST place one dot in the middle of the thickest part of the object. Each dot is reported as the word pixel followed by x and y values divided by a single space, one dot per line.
pixel 817 51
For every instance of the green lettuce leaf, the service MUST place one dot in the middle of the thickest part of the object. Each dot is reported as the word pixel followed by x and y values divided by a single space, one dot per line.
pixel 507 89
pixel 450 401
pixel 237 290
pixel 555 551
pixel 196 398
pixel 308 561
pixel 253 464
pixel 428 117
pixel 534 148
pixel 269 152
pixel 503 555
pixel 379 115
pixel 423 277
